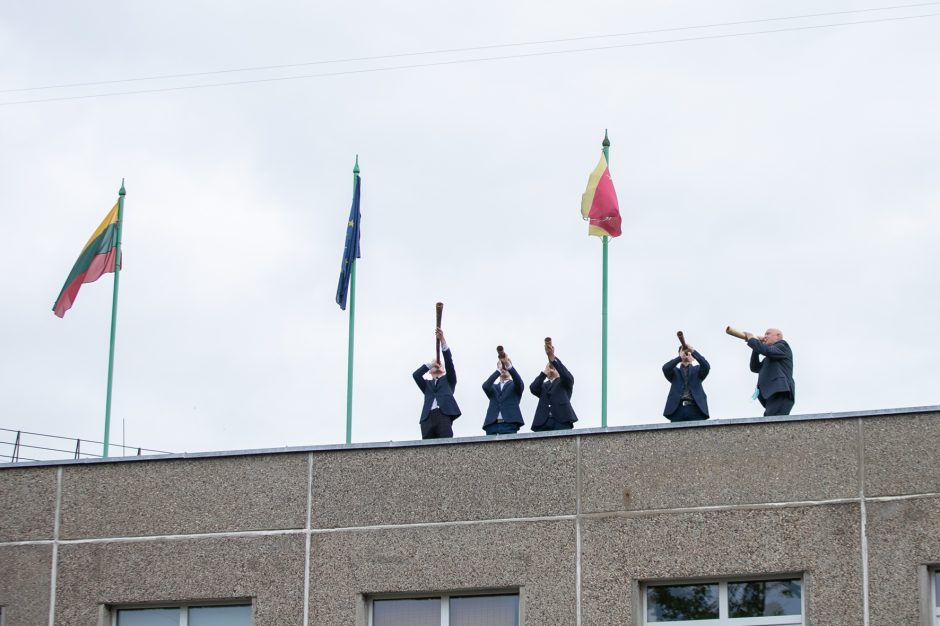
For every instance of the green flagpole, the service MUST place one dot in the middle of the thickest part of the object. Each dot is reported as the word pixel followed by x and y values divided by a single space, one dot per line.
pixel 352 330
pixel 114 301
pixel 606 145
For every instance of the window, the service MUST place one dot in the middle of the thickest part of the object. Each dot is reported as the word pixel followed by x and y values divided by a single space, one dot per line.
pixel 470 610
pixel 935 605
pixel 216 615
pixel 725 603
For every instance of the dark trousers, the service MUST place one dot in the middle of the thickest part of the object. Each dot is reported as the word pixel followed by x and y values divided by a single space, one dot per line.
pixel 501 428
pixel 687 413
pixel 780 403
pixel 437 426
pixel 552 424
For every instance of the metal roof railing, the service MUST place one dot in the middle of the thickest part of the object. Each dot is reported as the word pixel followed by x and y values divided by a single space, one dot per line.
pixel 43 447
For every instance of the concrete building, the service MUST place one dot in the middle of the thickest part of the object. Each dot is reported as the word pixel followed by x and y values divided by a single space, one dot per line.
pixel 811 520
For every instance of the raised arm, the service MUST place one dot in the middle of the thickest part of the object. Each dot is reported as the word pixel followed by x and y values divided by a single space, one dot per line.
pixel 488 384
pixel 517 381
pixel 567 378
pixel 776 351
pixel 419 377
pixel 669 368
pixel 704 367
pixel 449 366
pixel 536 386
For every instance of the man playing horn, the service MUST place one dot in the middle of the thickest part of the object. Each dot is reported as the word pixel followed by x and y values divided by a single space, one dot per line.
pixel 686 400
pixel 504 388
pixel 776 389
pixel 553 387
pixel 440 408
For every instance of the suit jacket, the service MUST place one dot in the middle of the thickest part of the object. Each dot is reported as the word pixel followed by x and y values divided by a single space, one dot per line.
pixel 440 389
pixel 697 374
pixel 558 397
pixel 504 401
pixel 775 370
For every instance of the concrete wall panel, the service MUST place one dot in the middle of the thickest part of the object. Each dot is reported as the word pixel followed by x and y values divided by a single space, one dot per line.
pixel 269 569
pixel 822 542
pixel 25 573
pixel 538 557
pixel 492 480
pixel 720 465
pixel 902 537
pixel 902 455
pixel 27 503
pixel 185 496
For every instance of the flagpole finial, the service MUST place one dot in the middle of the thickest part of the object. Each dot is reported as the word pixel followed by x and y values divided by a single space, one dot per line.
pixel 356 166
pixel 121 192
pixel 606 142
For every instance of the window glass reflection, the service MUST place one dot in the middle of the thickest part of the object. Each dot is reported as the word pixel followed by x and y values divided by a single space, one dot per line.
pixel 220 616
pixel 424 612
pixel 675 603
pixel 761 598
pixel 484 611
pixel 148 617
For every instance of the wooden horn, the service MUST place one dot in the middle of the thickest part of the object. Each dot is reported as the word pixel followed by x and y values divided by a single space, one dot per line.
pixel 500 352
pixel 734 332
pixel 439 312
pixel 682 340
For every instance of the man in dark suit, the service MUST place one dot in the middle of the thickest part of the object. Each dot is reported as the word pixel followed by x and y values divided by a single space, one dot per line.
pixel 504 388
pixel 553 387
pixel 686 400
pixel 440 408
pixel 776 389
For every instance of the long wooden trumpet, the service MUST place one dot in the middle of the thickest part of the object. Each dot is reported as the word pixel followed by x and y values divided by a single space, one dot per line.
pixel 439 310
pixel 500 353
pixel 734 332
pixel 682 342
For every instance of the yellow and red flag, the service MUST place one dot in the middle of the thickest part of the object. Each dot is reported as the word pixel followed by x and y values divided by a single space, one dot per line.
pixel 96 259
pixel 599 204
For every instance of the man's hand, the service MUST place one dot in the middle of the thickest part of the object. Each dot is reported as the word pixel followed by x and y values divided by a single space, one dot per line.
pixel 506 363
pixel 440 335
pixel 748 336
pixel 550 353
pixel 689 349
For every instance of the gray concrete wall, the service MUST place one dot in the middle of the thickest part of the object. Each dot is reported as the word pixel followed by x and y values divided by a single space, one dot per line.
pixel 576 522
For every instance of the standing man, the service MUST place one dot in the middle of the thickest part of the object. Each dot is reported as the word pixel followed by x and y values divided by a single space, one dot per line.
pixel 504 388
pixel 775 387
pixel 440 408
pixel 553 388
pixel 686 400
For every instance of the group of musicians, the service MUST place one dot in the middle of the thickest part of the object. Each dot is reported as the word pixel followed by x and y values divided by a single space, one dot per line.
pixel 771 360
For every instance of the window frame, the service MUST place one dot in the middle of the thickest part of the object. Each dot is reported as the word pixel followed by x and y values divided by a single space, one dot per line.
pixel 934 583
pixel 723 618
pixel 184 615
pixel 444 598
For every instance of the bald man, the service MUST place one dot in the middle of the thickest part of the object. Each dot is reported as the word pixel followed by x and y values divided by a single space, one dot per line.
pixel 775 387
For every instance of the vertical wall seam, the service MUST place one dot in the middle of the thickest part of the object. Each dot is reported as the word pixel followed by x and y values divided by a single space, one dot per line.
pixel 307 536
pixel 863 522
pixel 577 532
pixel 55 546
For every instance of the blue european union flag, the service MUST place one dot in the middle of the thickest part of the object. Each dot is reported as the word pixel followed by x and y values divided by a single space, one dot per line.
pixel 351 251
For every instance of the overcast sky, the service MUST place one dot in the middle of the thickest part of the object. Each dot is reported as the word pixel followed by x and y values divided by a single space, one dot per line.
pixel 785 179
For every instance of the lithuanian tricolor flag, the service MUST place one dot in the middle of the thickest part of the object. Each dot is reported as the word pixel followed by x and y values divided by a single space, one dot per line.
pixel 599 203
pixel 96 259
